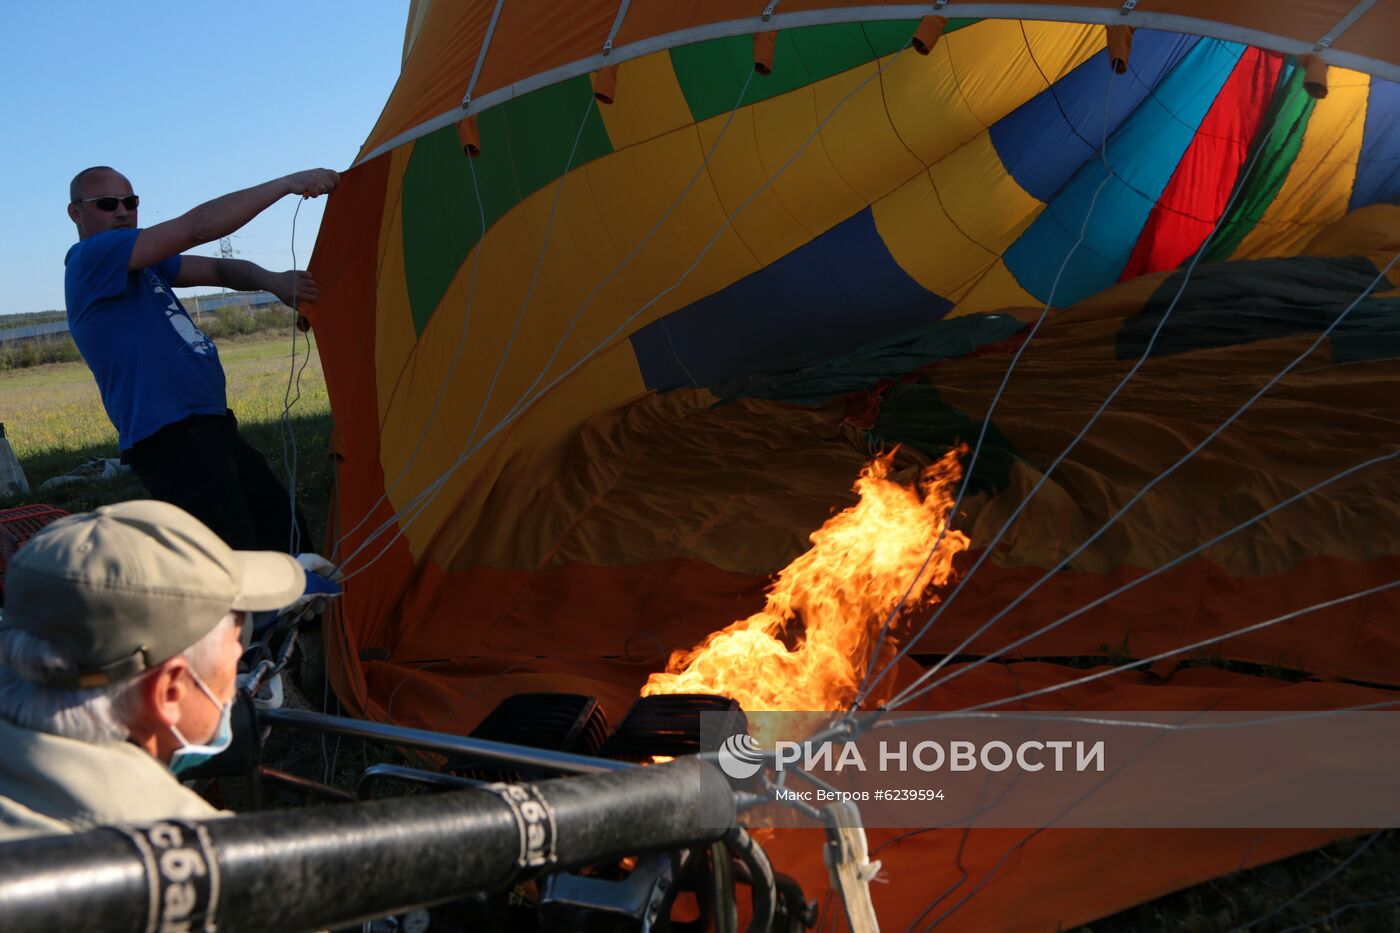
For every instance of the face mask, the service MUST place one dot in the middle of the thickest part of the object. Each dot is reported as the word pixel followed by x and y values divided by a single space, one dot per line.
pixel 188 756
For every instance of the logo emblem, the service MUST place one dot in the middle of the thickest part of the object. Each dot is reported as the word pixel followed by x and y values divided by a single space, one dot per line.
pixel 740 757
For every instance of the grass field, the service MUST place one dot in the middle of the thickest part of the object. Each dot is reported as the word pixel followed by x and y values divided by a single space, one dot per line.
pixel 56 422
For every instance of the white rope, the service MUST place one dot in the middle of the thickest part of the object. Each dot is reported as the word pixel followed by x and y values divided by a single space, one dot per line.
pixel 1180 559
pixel 441 393
pixel 908 692
pixel 646 238
pixel 1084 430
pixel 867 681
pixel 289 438
pixel 529 398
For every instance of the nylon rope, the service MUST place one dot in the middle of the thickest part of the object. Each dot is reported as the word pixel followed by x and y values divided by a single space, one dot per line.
pixel 529 398
pixel 288 432
pixel 867 681
pixel 1183 557
pixel 446 381
pixel 908 693
pixel 1083 431
pixel 621 265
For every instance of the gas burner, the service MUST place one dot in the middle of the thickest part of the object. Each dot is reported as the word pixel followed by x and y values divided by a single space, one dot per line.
pixel 668 724
pixel 562 722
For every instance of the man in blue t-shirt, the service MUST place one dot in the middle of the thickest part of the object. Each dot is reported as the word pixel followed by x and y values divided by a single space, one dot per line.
pixel 159 375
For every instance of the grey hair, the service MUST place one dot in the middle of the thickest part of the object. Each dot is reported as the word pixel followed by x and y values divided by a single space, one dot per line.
pixel 100 714
pixel 75 187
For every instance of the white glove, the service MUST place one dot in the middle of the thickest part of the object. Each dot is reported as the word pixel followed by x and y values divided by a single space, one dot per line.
pixel 318 564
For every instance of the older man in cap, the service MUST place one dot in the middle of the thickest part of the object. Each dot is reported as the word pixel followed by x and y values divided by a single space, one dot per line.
pixel 119 646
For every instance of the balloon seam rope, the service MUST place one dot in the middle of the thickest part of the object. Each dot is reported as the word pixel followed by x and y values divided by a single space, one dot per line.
pixel 908 693
pixel 606 340
pixel 1074 441
pixel 535 274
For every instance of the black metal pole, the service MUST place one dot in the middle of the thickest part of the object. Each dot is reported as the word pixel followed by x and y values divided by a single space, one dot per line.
pixel 331 866
pixel 441 742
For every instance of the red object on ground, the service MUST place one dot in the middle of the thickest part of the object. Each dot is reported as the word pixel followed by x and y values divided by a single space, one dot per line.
pixel 17 526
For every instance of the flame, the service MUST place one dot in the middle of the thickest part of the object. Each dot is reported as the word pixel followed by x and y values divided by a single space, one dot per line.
pixel 809 647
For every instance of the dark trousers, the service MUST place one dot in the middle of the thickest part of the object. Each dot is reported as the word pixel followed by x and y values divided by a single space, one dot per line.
pixel 203 465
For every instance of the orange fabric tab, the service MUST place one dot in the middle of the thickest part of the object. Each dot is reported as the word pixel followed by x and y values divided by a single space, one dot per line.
pixel 1314 75
pixel 605 84
pixel 926 36
pixel 763 43
pixel 470 135
pixel 1120 46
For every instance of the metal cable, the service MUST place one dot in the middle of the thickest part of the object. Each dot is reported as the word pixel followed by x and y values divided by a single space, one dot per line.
pixel 529 399
pixel 868 680
pixel 908 692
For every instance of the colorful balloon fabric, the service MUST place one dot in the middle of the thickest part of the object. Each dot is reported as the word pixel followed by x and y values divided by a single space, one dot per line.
pixel 594 385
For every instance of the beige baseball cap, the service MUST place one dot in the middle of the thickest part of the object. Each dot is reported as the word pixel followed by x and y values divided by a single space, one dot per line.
pixel 120 589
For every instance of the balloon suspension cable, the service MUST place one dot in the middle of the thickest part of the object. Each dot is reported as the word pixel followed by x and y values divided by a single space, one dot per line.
pixel 417 505
pixel 871 721
pixel 1045 475
pixel 289 436
pixel 451 371
pixel 913 690
pixel 409 511
pixel 869 679
pixel 1157 571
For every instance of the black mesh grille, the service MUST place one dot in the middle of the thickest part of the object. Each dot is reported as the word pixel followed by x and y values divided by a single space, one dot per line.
pixel 562 722
pixel 668 724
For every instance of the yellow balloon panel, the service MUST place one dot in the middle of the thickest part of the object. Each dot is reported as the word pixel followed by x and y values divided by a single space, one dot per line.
pixel 645 187
pixel 926 242
pixel 859 138
pixel 786 140
pixel 394 333
pixel 995 290
pixel 981 197
pixel 1319 184
pixel 649 102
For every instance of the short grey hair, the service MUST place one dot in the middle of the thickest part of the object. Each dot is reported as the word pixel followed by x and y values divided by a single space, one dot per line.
pixel 100 714
pixel 75 187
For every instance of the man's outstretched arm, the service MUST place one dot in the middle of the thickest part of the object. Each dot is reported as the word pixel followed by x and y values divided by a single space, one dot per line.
pixel 291 287
pixel 222 216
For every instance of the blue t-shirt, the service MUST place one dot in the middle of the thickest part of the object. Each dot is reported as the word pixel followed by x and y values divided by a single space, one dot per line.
pixel 152 365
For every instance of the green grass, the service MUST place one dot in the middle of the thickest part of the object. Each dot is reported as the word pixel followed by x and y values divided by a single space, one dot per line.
pixel 55 422
pixel 1340 887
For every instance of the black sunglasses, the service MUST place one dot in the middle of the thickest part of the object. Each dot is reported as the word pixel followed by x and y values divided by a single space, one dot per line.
pixel 109 203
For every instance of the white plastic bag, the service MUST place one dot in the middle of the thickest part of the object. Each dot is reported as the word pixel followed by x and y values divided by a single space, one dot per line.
pixel 12 479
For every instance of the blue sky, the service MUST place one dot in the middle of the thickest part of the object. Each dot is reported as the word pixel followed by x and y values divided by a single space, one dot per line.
pixel 190 100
